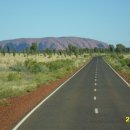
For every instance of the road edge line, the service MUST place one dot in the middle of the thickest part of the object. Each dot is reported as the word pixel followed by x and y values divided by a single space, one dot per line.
pixel 117 74
pixel 44 100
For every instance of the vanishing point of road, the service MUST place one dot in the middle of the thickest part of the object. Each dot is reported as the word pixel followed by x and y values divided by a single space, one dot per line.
pixel 94 99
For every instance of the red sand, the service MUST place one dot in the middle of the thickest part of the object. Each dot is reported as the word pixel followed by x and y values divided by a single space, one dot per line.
pixel 10 115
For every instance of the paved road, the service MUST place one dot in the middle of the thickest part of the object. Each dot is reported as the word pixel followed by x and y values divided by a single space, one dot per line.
pixel 94 99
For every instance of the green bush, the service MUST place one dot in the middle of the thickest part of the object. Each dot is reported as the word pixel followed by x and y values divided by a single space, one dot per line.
pixel 114 56
pixel 35 67
pixel 69 69
pixel 29 63
pixel 121 57
pixel 18 67
pixel 54 66
pixel 13 76
pixel 123 62
pixel 85 56
pixel 117 67
pixel 127 62
pixel 59 64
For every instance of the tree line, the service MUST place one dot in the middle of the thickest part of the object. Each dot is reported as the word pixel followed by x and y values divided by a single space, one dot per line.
pixel 70 50
pixel 120 48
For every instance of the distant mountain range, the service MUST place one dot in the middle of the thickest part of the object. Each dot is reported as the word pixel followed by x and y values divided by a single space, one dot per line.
pixel 52 43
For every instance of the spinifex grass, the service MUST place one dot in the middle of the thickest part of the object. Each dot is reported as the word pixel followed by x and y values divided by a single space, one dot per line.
pixel 22 74
pixel 119 62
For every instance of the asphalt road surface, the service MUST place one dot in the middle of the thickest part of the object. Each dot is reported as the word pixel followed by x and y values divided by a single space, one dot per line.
pixel 94 99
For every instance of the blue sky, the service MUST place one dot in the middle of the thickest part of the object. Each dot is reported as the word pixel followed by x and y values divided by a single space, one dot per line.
pixel 105 20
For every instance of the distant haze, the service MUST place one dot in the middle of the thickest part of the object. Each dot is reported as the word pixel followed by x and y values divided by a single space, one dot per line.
pixel 52 43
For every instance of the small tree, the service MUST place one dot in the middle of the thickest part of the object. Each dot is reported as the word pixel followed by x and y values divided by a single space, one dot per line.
pixel 120 48
pixel 8 49
pixel 73 49
pixel 3 52
pixel 111 48
pixel 14 52
pixel 34 48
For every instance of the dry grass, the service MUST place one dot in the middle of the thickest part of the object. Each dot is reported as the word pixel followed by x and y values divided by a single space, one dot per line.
pixel 118 62
pixel 9 60
pixel 13 83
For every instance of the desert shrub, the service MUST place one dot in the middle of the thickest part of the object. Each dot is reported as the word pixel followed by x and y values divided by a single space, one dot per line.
pixel 54 65
pixel 38 67
pixel 123 62
pixel 59 64
pixel 113 56
pixel 29 62
pixel 18 67
pixel 35 67
pixel 14 76
pixel 117 67
pixel 127 62
pixel 121 56
pixel 85 56
pixel 69 69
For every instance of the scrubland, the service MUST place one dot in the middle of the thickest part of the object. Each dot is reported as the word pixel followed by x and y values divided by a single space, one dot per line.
pixel 22 73
pixel 120 62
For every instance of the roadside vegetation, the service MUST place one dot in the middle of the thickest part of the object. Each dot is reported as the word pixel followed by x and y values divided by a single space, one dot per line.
pixel 23 72
pixel 119 59
pixel 119 62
